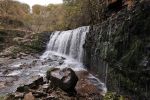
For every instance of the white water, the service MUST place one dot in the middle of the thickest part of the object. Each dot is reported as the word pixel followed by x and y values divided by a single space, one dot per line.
pixel 69 43
pixel 64 46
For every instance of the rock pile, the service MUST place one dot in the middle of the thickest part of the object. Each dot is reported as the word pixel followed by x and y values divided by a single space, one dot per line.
pixel 59 84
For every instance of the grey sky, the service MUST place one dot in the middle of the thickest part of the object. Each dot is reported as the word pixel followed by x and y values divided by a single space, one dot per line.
pixel 40 2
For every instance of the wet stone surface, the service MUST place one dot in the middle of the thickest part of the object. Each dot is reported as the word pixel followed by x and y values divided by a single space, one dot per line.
pixel 26 78
pixel 21 71
pixel 66 79
pixel 46 90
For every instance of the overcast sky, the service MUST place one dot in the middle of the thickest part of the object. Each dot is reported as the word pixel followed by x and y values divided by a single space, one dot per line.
pixel 41 2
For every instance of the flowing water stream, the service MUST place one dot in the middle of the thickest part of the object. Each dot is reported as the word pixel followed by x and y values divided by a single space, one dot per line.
pixel 65 49
pixel 69 43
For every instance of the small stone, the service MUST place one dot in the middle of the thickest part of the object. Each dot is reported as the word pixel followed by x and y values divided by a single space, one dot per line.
pixel 45 87
pixel 2 85
pixel 36 83
pixel 38 94
pixel 19 95
pixel 22 89
pixel 61 62
pixel 29 96
pixel 50 98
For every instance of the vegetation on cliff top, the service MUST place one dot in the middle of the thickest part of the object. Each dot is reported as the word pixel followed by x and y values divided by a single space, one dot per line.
pixel 69 15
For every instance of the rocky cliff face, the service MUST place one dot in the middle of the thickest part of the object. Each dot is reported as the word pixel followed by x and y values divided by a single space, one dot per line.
pixel 14 42
pixel 118 50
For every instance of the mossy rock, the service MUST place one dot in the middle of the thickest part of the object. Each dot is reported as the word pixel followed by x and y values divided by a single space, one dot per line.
pixel 115 96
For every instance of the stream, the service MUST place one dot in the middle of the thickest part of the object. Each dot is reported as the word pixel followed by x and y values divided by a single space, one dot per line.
pixel 65 49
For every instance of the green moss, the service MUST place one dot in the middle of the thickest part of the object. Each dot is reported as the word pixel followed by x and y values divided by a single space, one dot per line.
pixel 132 54
pixel 114 96
pixel 2 97
pixel 36 44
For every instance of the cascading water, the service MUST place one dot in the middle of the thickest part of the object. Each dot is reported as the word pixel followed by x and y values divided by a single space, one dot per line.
pixel 69 43
pixel 65 49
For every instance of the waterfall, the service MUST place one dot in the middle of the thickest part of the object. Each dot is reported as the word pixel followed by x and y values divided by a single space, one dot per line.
pixel 68 43
pixel 64 50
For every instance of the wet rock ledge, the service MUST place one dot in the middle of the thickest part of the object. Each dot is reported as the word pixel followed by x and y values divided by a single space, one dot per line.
pixel 59 84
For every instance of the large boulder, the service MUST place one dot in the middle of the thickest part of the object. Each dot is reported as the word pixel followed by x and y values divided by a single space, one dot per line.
pixel 66 79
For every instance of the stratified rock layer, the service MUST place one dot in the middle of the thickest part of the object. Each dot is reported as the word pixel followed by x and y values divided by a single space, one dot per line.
pixel 118 50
